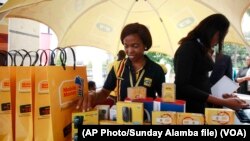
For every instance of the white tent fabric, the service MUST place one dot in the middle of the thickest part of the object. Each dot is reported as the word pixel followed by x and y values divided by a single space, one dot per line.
pixel 12 4
pixel 98 23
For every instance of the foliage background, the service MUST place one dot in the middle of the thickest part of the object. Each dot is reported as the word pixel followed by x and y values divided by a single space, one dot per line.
pixel 238 54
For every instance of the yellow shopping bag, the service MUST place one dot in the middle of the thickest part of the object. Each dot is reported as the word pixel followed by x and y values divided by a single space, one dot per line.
pixel 55 99
pixel 7 90
pixel 23 100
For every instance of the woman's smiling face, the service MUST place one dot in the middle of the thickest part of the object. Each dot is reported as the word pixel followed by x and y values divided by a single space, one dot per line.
pixel 133 47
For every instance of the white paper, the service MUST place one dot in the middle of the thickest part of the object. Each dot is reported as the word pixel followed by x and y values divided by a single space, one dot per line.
pixel 224 86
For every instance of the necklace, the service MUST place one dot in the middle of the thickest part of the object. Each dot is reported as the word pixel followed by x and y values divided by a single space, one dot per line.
pixel 139 79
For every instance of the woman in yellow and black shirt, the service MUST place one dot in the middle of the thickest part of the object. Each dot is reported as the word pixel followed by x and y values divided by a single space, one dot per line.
pixel 136 70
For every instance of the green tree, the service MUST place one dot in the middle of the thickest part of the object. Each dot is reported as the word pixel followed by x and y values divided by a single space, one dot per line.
pixel 248 12
pixel 237 52
pixel 160 57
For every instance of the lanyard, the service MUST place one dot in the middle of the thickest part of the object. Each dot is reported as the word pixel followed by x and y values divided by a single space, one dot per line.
pixel 139 79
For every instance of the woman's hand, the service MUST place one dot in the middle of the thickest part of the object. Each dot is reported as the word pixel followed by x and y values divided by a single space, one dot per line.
pixel 235 103
pixel 229 95
pixel 86 102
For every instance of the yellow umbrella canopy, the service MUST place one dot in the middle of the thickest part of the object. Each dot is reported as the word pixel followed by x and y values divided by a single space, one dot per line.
pixel 98 23
pixel 12 4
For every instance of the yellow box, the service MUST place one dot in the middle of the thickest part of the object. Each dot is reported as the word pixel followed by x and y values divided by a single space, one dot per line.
pixel 168 92
pixel 219 116
pixel 108 122
pixel 129 112
pixel 77 119
pixel 137 92
pixel 103 111
pixel 85 118
pixel 163 118
pixel 190 119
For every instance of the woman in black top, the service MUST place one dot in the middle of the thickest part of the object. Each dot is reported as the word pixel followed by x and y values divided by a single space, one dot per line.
pixel 138 69
pixel 193 61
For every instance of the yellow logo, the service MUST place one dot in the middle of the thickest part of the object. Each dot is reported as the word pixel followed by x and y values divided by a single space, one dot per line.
pixel 147 82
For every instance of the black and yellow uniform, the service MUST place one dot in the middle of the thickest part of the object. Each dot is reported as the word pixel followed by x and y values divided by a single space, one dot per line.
pixel 151 76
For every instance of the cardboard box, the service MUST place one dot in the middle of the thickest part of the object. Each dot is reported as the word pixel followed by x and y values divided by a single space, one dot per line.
pixel 163 118
pixel 83 118
pixel 148 104
pixel 168 92
pixel 107 122
pixel 129 112
pixel 137 92
pixel 177 106
pixel 190 119
pixel 103 111
pixel 219 116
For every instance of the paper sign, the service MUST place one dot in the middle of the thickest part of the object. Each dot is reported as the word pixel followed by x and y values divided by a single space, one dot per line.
pixel 224 86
